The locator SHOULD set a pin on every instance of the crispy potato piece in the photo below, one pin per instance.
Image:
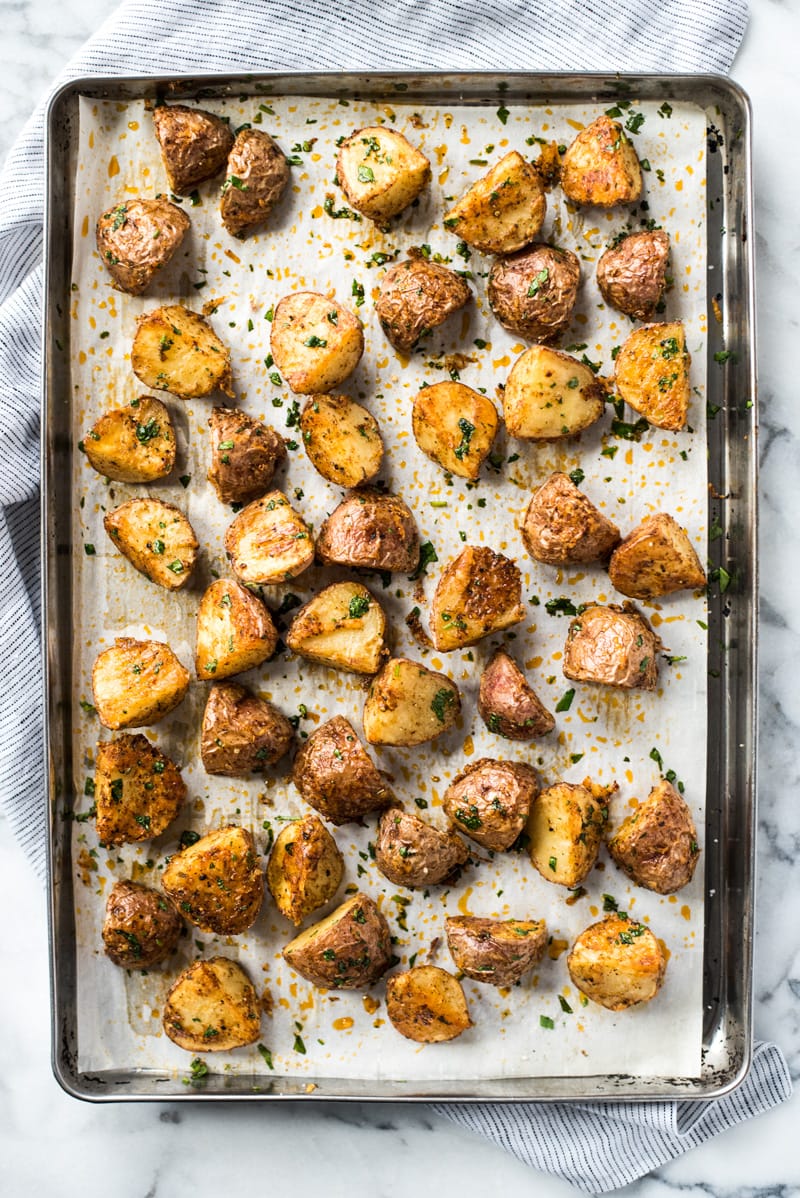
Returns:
(479, 592)
(562, 526)
(344, 627)
(194, 144)
(244, 455)
(657, 846)
(411, 852)
(157, 540)
(342, 439)
(348, 950)
(335, 775)
(534, 291)
(565, 827)
(600, 167)
(632, 274)
(212, 1006)
(269, 541)
(380, 172)
(656, 558)
(549, 394)
(495, 951)
(427, 1004)
(217, 882)
(508, 704)
(503, 211)
(316, 342)
(241, 733)
(305, 868)
(138, 790)
(141, 928)
(135, 683)
(490, 800)
(370, 530)
(613, 646)
(256, 177)
(408, 704)
(455, 427)
(234, 631)
(177, 350)
(617, 963)
(416, 296)
(136, 238)
(652, 374)
(134, 444)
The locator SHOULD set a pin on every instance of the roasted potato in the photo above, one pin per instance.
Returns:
(657, 846)
(479, 592)
(613, 646)
(141, 928)
(342, 440)
(241, 733)
(370, 530)
(490, 800)
(496, 951)
(652, 374)
(632, 273)
(503, 211)
(157, 540)
(562, 526)
(234, 631)
(305, 868)
(138, 790)
(335, 775)
(134, 444)
(256, 177)
(348, 950)
(601, 167)
(135, 683)
(565, 828)
(508, 704)
(136, 238)
(427, 1004)
(533, 292)
(343, 626)
(269, 541)
(212, 1006)
(455, 427)
(316, 343)
(656, 558)
(244, 455)
(380, 172)
(177, 350)
(416, 296)
(411, 852)
(217, 882)
(549, 394)
(617, 962)
(194, 144)
(408, 704)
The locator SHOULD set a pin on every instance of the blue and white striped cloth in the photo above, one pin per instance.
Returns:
(596, 1147)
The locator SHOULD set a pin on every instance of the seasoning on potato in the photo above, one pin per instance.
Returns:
(632, 272)
(348, 950)
(234, 631)
(427, 1004)
(245, 454)
(136, 238)
(241, 733)
(508, 704)
(601, 167)
(315, 341)
(652, 374)
(656, 558)
(268, 541)
(533, 292)
(135, 683)
(411, 852)
(612, 646)
(256, 176)
(562, 526)
(503, 211)
(489, 801)
(495, 951)
(335, 775)
(549, 394)
(656, 846)
(342, 440)
(408, 704)
(479, 592)
(194, 144)
(416, 297)
(217, 882)
(305, 868)
(565, 829)
(380, 172)
(138, 790)
(212, 1006)
(343, 627)
(370, 530)
(135, 444)
(455, 427)
(177, 350)
(618, 963)
(156, 538)
(141, 927)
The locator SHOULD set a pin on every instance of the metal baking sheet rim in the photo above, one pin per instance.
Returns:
(732, 740)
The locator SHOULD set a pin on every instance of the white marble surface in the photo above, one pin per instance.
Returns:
(51, 1144)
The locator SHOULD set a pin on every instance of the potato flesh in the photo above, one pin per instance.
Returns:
(194, 144)
(565, 828)
(305, 868)
(234, 631)
(656, 558)
(177, 350)
(241, 733)
(495, 951)
(370, 530)
(141, 927)
(257, 175)
(427, 1004)
(157, 540)
(351, 948)
(549, 394)
(212, 1007)
(600, 167)
(217, 882)
(134, 444)
(138, 790)
(562, 525)
(479, 593)
(342, 440)
(269, 542)
(380, 172)
(315, 342)
(244, 455)
(617, 962)
(335, 775)
(408, 704)
(343, 626)
(136, 683)
(612, 646)
(657, 846)
(652, 374)
(455, 427)
(507, 703)
(411, 852)
(490, 800)
(136, 238)
(503, 211)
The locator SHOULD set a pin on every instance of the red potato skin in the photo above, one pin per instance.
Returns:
(508, 705)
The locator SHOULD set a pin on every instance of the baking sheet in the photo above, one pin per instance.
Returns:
(343, 1036)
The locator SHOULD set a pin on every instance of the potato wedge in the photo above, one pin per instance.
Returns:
(134, 444)
(256, 177)
(344, 627)
(632, 273)
(496, 951)
(601, 167)
(177, 350)
(305, 868)
(335, 775)
(503, 211)
(657, 846)
(617, 962)
(194, 144)
(316, 342)
(534, 291)
(411, 852)
(652, 374)
(136, 683)
(241, 733)
(380, 172)
(245, 453)
(479, 592)
(490, 800)
(136, 238)
(455, 427)
(416, 296)
(370, 530)
(549, 394)
(427, 1004)
(565, 828)
(217, 882)
(508, 704)
(212, 1006)
(269, 541)
(612, 646)
(157, 540)
(656, 558)
(348, 950)
(562, 526)
(408, 704)
(138, 790)
(141, 927)
(234, 631)
(342, 440)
